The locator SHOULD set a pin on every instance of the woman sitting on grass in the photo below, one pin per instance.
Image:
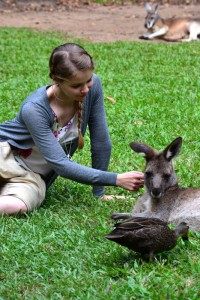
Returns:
(37, 145)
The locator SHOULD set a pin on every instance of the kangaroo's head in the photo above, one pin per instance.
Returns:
(152, 16)
(159, 173)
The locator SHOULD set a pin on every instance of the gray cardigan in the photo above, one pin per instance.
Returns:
(32, 126)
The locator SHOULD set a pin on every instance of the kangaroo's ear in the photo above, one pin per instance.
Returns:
(148, 6)
(156, 8)
(143, 149)
(173, 149)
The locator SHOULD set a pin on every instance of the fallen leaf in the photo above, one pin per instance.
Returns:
(138, 122)
(111, 99)
(111, 197)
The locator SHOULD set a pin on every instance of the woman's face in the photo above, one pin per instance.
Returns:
(77, 87)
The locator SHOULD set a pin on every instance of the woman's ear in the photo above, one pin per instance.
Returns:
(55, 79)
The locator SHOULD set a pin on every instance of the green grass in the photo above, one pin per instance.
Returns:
(59, 252)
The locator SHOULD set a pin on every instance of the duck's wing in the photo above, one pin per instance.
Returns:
(145, 220)
(135, 223)
(111, 236)
(115, 234)
(136, 240)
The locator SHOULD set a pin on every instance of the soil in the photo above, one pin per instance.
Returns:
(91, 22)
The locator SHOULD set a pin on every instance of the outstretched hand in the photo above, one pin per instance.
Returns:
(131, 181)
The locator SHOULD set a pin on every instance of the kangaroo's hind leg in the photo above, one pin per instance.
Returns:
(194, 30)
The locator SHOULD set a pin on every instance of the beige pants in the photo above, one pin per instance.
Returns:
(17, 182)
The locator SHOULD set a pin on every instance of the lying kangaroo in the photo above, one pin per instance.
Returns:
(173, 29)
(164, 198)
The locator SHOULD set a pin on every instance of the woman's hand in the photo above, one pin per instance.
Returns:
(131, 181)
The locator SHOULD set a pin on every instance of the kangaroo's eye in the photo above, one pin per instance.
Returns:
(166, 176)
(148, 174)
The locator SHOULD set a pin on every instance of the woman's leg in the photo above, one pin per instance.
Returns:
(21, 191)
(11, 205)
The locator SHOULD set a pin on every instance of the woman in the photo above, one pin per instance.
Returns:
(37, 145)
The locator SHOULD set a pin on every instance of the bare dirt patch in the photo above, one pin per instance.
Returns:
(93, 23)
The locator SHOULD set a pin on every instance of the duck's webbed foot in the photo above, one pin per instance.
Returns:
(120, 216)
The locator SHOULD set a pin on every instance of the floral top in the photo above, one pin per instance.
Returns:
(57, 129)
(67, 133)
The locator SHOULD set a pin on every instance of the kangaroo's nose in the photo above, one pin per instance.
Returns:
(156, 192)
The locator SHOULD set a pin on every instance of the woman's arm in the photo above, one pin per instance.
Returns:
(99, 134)
(36, 122)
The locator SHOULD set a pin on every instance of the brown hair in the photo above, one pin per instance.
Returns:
(65, 61)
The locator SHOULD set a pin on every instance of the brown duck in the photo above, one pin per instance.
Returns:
(147, 236)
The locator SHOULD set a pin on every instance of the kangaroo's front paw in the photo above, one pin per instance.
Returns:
(114, 216)
(144, 37)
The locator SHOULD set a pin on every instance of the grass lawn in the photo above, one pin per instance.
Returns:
(59, 252)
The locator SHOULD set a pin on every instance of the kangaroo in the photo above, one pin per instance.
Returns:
(164, 198)
(173, 29)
